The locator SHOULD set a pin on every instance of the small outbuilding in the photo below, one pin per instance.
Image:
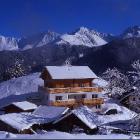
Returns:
(22, 123)
(16, 107)
(81, 119)
(31, 122)
(51, 113)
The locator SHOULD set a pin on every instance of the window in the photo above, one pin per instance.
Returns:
(73, 96)
(81, 85)
(94, 96)
(83, 96)
(133, 99)
(58, 98)
(98, 106)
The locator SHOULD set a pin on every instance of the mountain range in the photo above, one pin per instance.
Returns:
(80, 37)
(82, 47)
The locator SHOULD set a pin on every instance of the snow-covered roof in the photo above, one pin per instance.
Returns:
(25, 105)
(50, 111)
(92, 119)
(108, 106)
(100, 82)
(70, 72)
(21, 121)
(85, 115)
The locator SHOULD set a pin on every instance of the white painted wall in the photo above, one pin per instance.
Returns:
(65, 95)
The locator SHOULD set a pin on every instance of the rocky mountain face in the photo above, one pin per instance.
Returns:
(8, 43)
(38, 40)
(84, 37)
(119, 53)
(130, 32)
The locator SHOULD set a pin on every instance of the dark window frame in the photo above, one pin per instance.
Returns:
(58, 98)
(94, 96)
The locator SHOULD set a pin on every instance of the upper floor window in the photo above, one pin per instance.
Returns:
(94, 96)
(58, 98)
(81, 84)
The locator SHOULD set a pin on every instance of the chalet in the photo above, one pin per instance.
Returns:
(81, 118)
(131, 99)
(23, 106)
(70, 86)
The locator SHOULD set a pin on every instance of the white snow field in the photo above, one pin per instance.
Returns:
(63, 135)
(21, 85)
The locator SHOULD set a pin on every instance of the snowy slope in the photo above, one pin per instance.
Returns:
(62, 135)
(82, 36)
(21, 85)
(8, 43)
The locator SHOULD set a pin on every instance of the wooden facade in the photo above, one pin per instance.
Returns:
(68, 83)
(71, 90)
(14, 109)
(73, 102)
(71, 122)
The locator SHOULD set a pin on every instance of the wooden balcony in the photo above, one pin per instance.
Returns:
(73, 102)
(72, 89)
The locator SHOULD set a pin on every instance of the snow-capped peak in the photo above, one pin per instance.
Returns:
(48, 38)
(83, 36)
(8, 43)
(130, 32)
(38, 40)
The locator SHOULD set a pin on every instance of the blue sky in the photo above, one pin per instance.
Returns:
(26, 17)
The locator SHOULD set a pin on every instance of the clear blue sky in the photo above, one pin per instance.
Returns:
(25, 17)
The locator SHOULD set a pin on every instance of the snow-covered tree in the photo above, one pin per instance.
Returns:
(135, 74)
(118, 83)
(16, 70)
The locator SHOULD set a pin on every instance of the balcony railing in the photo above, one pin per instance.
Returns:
(71, 89)
(73, 102)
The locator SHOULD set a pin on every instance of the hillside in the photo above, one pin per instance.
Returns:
(22, 85)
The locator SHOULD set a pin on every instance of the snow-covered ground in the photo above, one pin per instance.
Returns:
(123, 114)
(21, 85)
(14, 89)
(63, 135)
(19, 89)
